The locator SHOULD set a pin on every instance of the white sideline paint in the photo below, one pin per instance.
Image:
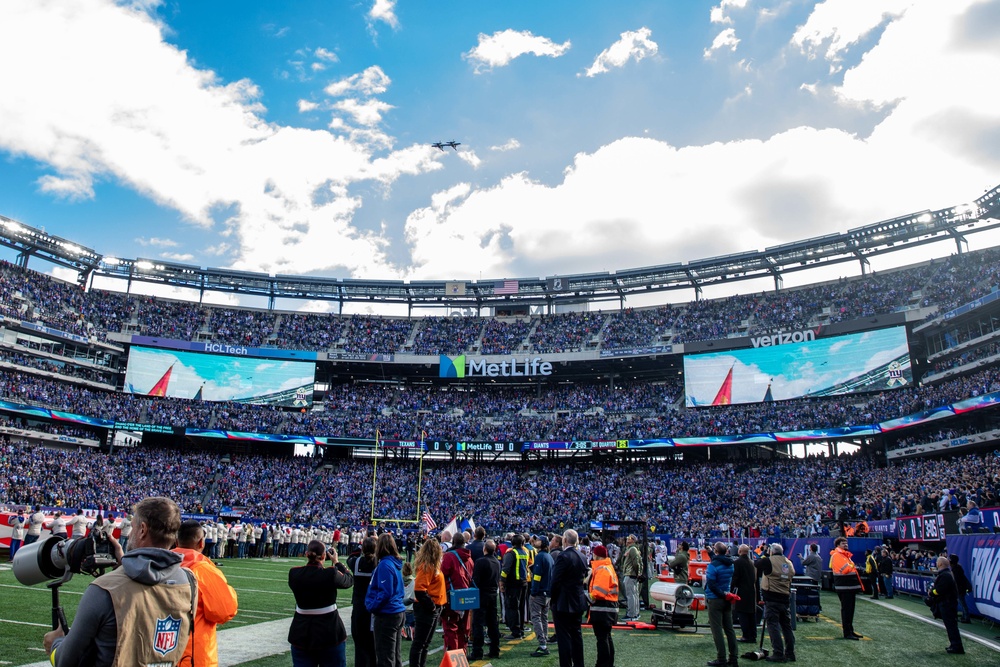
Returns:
(937, 624)
(260, 640)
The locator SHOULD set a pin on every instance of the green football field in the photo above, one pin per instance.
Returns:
(898, 630)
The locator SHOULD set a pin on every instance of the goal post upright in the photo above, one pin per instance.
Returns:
(420, 476)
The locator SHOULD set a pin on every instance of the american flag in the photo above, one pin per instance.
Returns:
(505, 287)
(428, 521)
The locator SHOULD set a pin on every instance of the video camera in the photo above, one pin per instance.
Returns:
(56, 560)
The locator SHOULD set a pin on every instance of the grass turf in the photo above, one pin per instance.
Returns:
(264, 596)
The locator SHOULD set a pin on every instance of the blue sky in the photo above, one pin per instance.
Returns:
(295, 137)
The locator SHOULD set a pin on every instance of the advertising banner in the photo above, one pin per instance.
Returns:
(980, 556)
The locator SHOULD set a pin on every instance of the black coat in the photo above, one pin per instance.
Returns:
(316, 587)
(486, 575)
(569, 593)
(745, 585)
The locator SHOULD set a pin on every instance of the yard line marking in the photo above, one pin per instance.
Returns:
(38, 590)
(37, 625)
(937, 624)
(256, 590)
(250, 576)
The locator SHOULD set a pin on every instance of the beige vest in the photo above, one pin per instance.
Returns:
(153, 621)
(780, 579)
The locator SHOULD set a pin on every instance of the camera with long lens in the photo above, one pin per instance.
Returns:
(55, 558)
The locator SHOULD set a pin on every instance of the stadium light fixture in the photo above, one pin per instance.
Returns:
(925, 218)
(144, 265)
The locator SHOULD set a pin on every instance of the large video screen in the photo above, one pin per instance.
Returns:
(855, 363)
(216, 377)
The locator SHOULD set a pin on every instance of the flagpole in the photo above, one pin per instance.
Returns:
(374, 472)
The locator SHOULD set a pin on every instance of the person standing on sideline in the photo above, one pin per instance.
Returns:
(812, 564)
(541, 592)
(513, 578)
(317, 634)
(603, 604)
(944, 593)
(679, 563)
(456, 566)
(745, 586)
(964, 586)
(631, 567)
(569, 600)
(148, 590)
(486, 577)
(385, 602)
(885, 573)
(430, 595)
(847, 584)
(17, 532)
(217, 601)
(718, 581)
(776, 574)
(361, 566)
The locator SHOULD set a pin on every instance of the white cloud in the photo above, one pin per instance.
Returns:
(385, 11)
(178, 256)
(720, 14)
(470, 157)
(498, 49)
(74, 186)
(372, 81)
(838, 24)
(156, 242)
(633, 45)
(326, 54)
(726, 39)
(155, 123)
(305, 106)
(739, 195)
(366, 113)
(509, 145)
(809, 87)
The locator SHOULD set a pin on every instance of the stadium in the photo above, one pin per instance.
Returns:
(397, 334)
(679, 419)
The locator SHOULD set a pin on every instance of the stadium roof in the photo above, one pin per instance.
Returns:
(906, 231)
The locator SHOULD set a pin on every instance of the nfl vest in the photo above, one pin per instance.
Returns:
(779, 582)
(157, 619)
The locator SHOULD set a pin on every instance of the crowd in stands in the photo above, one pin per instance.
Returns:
(702, 501)
(942, 284)
(104, 376)
(577, 412)
(968, 357)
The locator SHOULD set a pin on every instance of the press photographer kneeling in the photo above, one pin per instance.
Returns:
(152, 595)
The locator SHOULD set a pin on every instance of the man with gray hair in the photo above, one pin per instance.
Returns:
(776, 574)
(630, 567)
(944, 593)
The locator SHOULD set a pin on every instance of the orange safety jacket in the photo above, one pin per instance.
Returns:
(603, 586)
(217, 604)
(845, 572)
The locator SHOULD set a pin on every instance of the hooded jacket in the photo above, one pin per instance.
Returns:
(385, 592)
(93, 638)
(217, 604)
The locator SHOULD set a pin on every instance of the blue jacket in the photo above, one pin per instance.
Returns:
(385, 592)
(541, 574)
(718, 577)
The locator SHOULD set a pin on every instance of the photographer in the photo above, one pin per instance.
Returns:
(149, 586)
(776, 574)
(317, 633)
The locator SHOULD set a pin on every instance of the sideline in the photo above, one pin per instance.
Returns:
(937, 624)
(259, 640)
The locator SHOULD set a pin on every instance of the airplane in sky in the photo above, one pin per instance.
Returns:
(450, 144)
